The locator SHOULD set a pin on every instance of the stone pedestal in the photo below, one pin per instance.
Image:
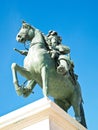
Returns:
(40, 115)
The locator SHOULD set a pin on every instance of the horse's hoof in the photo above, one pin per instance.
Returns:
(78, 119)
(61, 70)
(19, 91)
(26, 92)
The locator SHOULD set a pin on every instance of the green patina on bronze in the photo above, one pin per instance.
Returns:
(41, 67)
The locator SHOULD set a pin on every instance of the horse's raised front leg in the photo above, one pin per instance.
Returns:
(16, 68)
(44, 80)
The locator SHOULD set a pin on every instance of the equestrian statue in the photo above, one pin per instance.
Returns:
(47, 63)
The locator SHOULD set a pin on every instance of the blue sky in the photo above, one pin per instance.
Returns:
(76, 21)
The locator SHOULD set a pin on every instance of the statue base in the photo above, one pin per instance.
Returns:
(42, 114)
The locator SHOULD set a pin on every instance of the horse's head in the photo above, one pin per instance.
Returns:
(26, 33)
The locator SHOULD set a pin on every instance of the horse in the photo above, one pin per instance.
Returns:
(39, 68)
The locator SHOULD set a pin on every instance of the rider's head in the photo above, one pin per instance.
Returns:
(54, 33)
(51, 32)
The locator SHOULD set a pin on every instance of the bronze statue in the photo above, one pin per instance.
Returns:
(40, 68)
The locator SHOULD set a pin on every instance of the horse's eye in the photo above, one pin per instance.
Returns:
(19, 36)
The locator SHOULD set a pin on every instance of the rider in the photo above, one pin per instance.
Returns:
(60, 53)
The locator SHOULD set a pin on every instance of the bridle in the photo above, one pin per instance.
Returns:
(27, 43)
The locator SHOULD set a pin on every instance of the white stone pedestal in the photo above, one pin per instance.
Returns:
(40, 115)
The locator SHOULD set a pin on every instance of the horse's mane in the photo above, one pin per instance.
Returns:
(43, 35)
(46, 44)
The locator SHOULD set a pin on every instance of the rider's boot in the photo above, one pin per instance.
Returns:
(63, 67)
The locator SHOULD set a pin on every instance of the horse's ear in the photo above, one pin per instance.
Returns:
(26, 24)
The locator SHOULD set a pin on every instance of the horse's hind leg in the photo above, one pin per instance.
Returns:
(23, 72)
(76, 100)
(64, 104)
(79, 113)
(44, 80)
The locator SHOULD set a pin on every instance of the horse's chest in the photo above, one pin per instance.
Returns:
(33, 61)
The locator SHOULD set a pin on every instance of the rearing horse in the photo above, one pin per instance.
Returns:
(39, 68)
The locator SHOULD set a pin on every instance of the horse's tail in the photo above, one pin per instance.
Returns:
(83, 121)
